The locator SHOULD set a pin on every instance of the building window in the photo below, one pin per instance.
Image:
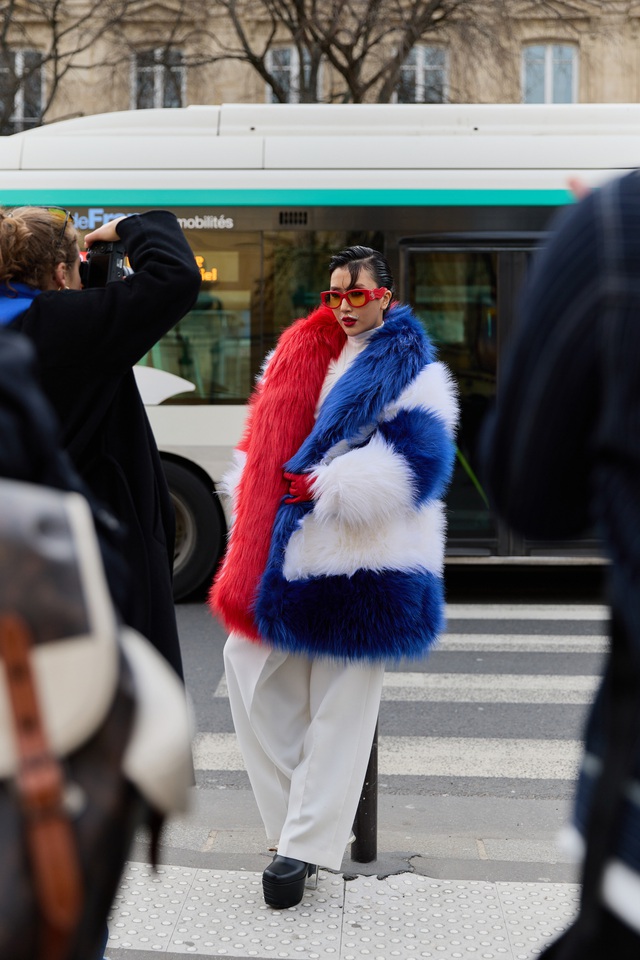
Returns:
(550, 73)
(159, 78)
(21, 83)
(423, 76)
(283, 63)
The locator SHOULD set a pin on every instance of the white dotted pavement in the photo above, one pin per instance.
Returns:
(221, 913)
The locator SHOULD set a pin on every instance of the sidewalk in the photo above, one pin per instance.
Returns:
(455, 878)
(222, 913)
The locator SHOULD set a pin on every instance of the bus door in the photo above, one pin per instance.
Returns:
(465, 293)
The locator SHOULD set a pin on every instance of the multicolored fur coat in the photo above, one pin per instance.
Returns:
(356, 573)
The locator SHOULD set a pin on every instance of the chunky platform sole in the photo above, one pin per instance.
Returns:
(286, 890)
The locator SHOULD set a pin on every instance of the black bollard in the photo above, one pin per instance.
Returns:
(364, 848)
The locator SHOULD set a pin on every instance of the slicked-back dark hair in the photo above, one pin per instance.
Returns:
(359, 258)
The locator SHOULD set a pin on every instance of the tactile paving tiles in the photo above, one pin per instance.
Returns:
(222, 913)
(410, 916)
(536, 913)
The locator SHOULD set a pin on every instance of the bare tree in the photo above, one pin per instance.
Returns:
(364, 42)
(339, 50)
(41, 43)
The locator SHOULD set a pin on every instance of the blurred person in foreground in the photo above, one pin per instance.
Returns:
(562, 452)
(87, 342)
(30, 451)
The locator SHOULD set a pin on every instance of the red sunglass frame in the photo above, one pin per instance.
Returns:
(370, 295)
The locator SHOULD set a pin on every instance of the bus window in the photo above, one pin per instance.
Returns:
(212, 346)
(454, 292)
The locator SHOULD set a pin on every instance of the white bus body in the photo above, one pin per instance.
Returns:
(457, 196)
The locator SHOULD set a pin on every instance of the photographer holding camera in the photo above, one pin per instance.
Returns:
(87, 341)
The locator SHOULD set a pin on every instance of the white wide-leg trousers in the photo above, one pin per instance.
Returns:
(305, 729)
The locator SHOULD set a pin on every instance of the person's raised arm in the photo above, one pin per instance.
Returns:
(110, 328)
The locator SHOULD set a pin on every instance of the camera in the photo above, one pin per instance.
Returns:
(103, 263)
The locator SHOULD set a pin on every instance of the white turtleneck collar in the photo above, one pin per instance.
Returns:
(359, 341)
(353, 346)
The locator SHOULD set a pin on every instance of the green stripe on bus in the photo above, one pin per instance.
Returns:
(290, 198)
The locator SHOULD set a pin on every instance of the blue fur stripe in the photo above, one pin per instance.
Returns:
(368, 616)
(421, 437)
(394, 357)
(287, 520)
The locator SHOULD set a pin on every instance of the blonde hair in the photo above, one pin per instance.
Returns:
(32, 243)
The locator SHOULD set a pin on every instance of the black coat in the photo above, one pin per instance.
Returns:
(29, 441)
(30, 451)
(87, 342)
(562, 452)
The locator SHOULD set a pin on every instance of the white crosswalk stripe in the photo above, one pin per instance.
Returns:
(522, 643)
(435, 756)
(527, 611)
(480, 688)
(487, 688)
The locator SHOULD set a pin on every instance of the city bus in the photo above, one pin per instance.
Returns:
(457, 197)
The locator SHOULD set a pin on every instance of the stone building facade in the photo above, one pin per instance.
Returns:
(175, 53)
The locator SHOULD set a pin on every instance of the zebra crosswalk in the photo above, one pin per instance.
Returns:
(501, 701)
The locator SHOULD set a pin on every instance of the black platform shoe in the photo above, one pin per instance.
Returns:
(283, 881)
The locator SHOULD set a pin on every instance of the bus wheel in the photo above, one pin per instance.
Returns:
(199, 530)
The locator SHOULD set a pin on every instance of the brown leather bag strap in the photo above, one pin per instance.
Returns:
(50, 839)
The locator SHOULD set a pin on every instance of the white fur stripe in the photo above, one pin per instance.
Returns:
(231, 478)
(228, 483)
(433, 390)
(405, 541)
(366, 486)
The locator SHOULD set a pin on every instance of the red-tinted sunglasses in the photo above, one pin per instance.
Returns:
(355, 298)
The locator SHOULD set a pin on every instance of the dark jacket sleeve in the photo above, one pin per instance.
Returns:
(109, 329)
(29, 445)
(538, 443)
(30, 451)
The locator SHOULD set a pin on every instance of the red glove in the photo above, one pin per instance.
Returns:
(300, 487)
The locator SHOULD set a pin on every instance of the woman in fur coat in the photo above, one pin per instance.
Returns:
(335, 556)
